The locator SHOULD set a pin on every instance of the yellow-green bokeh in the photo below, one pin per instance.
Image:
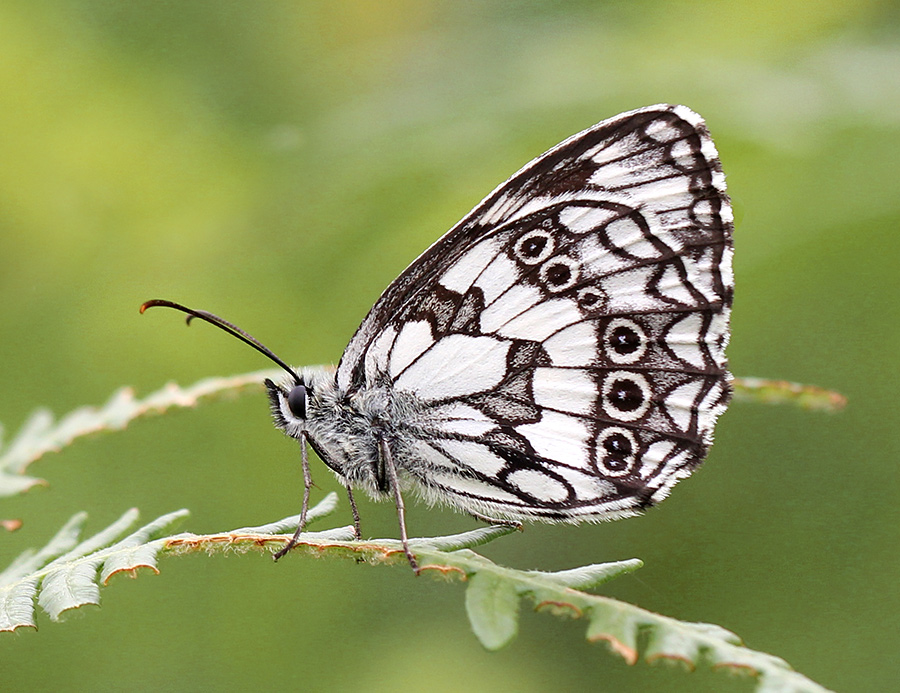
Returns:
(280, 162)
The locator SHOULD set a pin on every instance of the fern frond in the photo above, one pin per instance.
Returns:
(68, 573)
(42, 434)
(763, 391)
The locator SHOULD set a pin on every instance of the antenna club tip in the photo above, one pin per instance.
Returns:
(150, 304)
(222, 324)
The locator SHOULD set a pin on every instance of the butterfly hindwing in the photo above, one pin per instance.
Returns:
(566, 339)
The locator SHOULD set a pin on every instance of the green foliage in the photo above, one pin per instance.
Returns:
(68, 571)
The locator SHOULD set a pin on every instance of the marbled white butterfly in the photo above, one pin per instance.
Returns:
(558, 355)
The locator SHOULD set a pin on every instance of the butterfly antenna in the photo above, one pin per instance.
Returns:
(223, 324)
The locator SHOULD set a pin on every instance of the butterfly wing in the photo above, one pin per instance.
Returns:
(565, 342)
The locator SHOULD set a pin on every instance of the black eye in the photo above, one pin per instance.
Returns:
(297, 401)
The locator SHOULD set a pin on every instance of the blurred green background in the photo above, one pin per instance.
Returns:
(280, 162)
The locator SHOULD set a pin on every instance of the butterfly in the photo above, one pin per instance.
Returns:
(558, 355)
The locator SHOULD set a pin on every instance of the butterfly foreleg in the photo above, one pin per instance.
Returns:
(357, 532)
(387, 462)
(304, 508)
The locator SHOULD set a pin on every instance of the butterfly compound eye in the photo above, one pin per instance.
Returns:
(297, 401)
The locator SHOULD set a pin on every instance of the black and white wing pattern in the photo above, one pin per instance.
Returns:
(564, 343)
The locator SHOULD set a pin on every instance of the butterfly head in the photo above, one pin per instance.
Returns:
(297, 403)
(290, 404)
(306, 407)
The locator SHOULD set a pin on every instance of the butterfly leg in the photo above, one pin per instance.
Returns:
(495, 521)
(304, 508)
(357, 532)
(391, 472)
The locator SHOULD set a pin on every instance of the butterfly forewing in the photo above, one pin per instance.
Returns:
(565, 341)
